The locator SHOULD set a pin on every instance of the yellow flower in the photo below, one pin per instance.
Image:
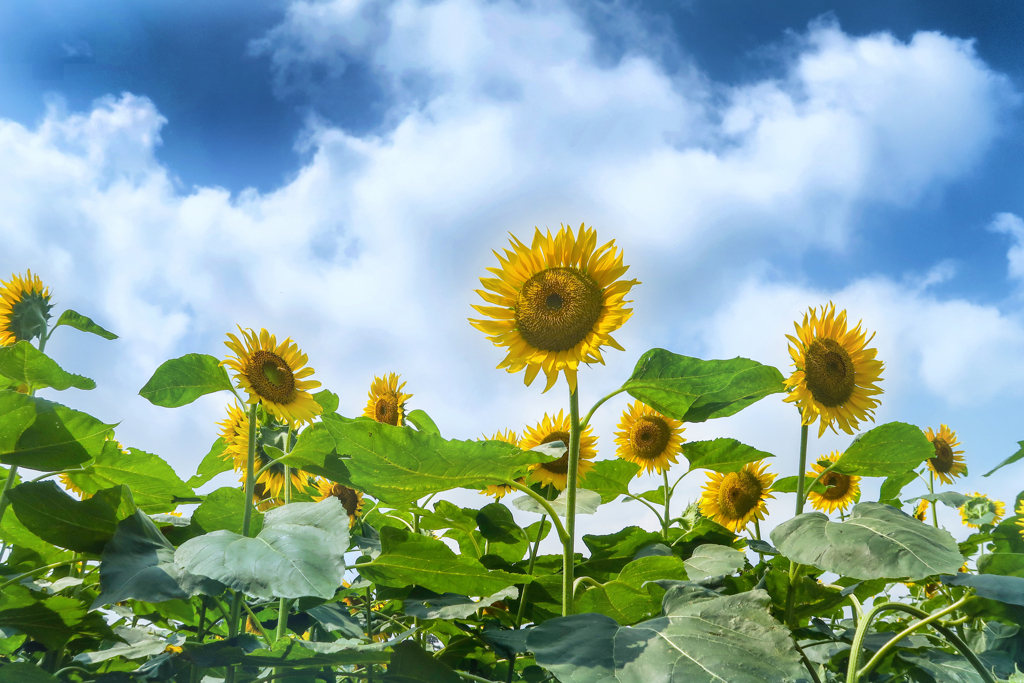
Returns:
(836, 373)
(1020, 518)
(351, 499)
(921, 511)
(387, 402)
(174, 649)
(556, 472)
(947, 464)
(274, 374)
(979, 506)
(65, 480)
(235, 432)
(842, 490)
(648, 438)
(555, 303)
(24, 308)
(736, 498)
(499, 491)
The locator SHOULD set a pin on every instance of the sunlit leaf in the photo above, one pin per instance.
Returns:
(82, 323)
(421, 421)
(54, 516)
(887, 450)
(587, 503)
(41, 435)
(721, 455)
(180, 381)
(53, 621)
(25, 363)
(610, 478)
(1009, 461)
(155, 485)
(628, 598)
(713, 560)
(455, 606)
(213, 464)
(224, 509)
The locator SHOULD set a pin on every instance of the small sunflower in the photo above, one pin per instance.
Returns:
(1020, 518)
(351, 499)
(387, 402)
(556, 472)
(555, 303)
(836, 373)
(24, 308)
(499, 491)
(274, 374)
(736, 498)
(980, 510)
(841, 490)
(921, 511)
(269, 432)
(65, 480)
(648, 438)
(947, 464)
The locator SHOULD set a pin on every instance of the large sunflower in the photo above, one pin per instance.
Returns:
(499, 491)
(274, 374)
(736, 498)
(387, 402)
(841, 490)
(556, 472)
(648, 438)
(947, 464)
(836, 373)
(351, 499)
(235, 432)
(555, 303)
(980, 510)
(24, 308)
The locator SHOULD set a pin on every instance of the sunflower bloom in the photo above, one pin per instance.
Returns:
(836, 373)
(921, 511)
(947, 464)
(556, 472)
(977, 509)
(555, 303)
(387, 402)
(1020, 518)
(66, 482)
(499, 491)
(24, 308)
(736, 498)
(274, 374)
(648, 438)
(351, 499)
(841, 490)
(235, 432)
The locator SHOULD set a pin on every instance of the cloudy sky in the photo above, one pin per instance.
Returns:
(339, 172)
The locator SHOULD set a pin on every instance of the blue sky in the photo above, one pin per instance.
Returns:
(338, 172)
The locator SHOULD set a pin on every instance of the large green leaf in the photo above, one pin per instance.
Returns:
(704, 637)
(138, 643)
(180, 381)
(57, 518)
(721, 455)
(41, 435)
(610, 478)
(629, 597)
(875, 542)
(587, 502)
(213, 464)
(52, 621)
(411, 664)
(1007, 564)
(25, 363)
(454, 606)
(893, 485)
(1009, 461)
(1008, 589)
(225, 509)
(244, 649)
(694, 390)
(155, 485)
(887, 450)
(948, 498)
(83, 324)
(300, 552)
(421, 421)
(26, 672)
(713, 560)
(408, 558)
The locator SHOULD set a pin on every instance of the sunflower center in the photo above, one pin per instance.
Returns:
(560, 466)
(836, 485)
(348, 497)
(739, 494)
(270, 377)
(829, 372)
(943, 460)
(557, 308)
(29, 316)
(386, 410)
(649, 436)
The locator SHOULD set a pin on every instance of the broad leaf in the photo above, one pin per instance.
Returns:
(1007, 564)
(180, 381)
(630, 597)
(244, 649)
(336, 618)
(328, 400)
(26, 672)
(1009, 461)
(789, 485)
(610, 478)
(54, 516)
(721, 455)
(155, 485)
(41, 435)
(138, 643)
(25, 363)
(694, 390)
(421, 421)
(411, 664)
(83, 324)
(948, 498)
(713, 560)
(887, 450)
(52, 621)
(1008, 589)
(587, 503)
(224, 509)
(875, 542)
(453, 606)
(893, 485)
(213, 464)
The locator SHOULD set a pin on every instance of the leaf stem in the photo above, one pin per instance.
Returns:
(568, 554)
(250, 484)
(584, 579)
(807, 663)
(649, 506)
(529, 572)
(282, 605)
(258, 625)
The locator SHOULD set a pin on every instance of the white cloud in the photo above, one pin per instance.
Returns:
(1012, 225)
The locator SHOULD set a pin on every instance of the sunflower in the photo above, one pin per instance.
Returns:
(555, 303)
(947, 464)
(1020, 518)
(556, 472)
(351, 499)
(735, 498)
(836, 373)
(24, 308)
(387, 402)
(499, 491)
(274, 374)
(921, 511)
(978, 508)
(269, 432)
(648, 438)
(65, 480)
(841, 490)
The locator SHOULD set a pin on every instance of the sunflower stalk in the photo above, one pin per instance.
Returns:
(931, 489)
(282, 605)
(234, 620)
(668, 497)
(568, 558)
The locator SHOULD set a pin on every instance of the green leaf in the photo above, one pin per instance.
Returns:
(789, 485)
(627, 599)
(421, 421)
(25, 363)
(1008, 589)
(41, 435)
(1007, 564)
(1009, 461)
(53, 621)
(299, 552)
(875, 542)
(944, 667)
(704, 637)
(408, 558)
(224, 509)
(810, 597)
(336, 618)
(411, 664)
(893, 486)
(213, 464)
(180, 381)
(54, 516)
(713, 560)
(610, 478)
(887, 450)
(328, 401)
(587, 503)
(82, 323)
(610, 553)
(24, 672)
(155, 485)
(243, 650)
(139, 643)
(948, 498)
(507, 539)
(694, 390)
(454, 606)
(721, 455)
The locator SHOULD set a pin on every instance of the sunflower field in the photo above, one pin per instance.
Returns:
(337, 558)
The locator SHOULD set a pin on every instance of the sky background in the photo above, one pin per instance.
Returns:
(339, 172)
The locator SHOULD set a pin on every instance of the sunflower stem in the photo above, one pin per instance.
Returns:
(757, 529)
(529, 572)
(234, 620)
(569, 557)
(800, 473)
(668, 498)
(544, 503)
(931, 490)
(282, 605)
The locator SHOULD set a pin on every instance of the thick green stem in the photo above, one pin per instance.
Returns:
(529, 572)
(802, 471)
(668, 498)
(931, 489)
(884, 650)
(257, 625)
(794, 570)
(283, 603)
(250, 485)
(544, 503)
(568, 552)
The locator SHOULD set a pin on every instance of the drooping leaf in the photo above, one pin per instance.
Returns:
(887, 450)
(1009, 461)
(610, 553)
(224, 509)
(893, 485)
(875, 542)
(944, 667)
(54, 516)
(694, 390)
(336, 619)
(713, 560)
(421, 421)
(180, 381)
(83, 324)
(25, 363)
(213, 464)
(155, 485)
(1007, 564)
(53, 621)
(948, 498)
(610, 478)
(587, 503)
(454, 606)
(138, 643)
(41, 435)
(1008, 589)
(721, 455)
